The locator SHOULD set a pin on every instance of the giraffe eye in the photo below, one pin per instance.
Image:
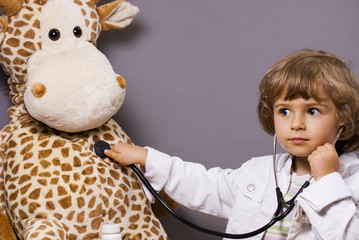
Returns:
(77, 32)
(54, 34)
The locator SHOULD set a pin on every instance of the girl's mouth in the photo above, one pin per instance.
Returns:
(298, 140)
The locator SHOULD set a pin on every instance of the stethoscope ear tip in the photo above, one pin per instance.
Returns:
(341, 129)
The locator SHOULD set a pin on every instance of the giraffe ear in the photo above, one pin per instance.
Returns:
(11, 7)
(117, 14)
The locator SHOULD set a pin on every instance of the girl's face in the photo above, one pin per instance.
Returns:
(302, 125)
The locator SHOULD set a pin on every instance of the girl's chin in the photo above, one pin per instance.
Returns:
(299, 154)
(299, 151)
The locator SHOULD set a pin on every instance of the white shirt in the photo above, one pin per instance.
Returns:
(326, 209)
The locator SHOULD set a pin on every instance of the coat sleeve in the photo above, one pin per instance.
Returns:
(331, 208)
(209, 191)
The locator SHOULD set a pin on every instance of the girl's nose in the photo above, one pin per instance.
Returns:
(298, 123)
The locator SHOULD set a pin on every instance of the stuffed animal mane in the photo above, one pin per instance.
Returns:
(64, 92)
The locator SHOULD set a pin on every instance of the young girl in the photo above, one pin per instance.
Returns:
(305, 100)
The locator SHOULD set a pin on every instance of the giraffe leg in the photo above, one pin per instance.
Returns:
(6, 231)
(43, 229)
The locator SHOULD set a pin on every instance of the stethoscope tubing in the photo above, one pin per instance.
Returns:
(276, 218)
(182, 219)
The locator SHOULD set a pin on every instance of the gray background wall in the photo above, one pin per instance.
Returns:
(193, 68)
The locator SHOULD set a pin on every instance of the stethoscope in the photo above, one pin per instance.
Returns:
(101, 146)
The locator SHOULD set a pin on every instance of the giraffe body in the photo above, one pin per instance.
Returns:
(52, 185)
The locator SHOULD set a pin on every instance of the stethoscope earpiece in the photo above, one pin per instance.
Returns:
(341, 129)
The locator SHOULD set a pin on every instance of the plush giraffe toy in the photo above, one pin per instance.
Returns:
(64, 93)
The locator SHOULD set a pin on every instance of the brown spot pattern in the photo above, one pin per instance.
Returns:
(53, 180)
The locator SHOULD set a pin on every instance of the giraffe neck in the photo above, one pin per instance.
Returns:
(17, 112)
(17, 91)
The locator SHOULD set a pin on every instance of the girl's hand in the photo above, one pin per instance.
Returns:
(323, 161)
(126, 154)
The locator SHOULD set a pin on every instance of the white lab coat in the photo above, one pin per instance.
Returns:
(326, 209)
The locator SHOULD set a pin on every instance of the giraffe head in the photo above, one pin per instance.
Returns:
(47, 47)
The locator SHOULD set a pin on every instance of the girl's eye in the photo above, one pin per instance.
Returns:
(313, 111)
(284, 111)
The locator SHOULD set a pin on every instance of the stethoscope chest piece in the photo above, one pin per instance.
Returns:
(100, 147)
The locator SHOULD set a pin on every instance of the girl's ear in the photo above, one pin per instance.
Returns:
(117, 14)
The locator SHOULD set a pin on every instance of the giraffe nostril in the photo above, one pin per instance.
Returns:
(38, 90)
(121, 81)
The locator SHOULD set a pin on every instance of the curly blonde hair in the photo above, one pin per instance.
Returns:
(302, 74)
